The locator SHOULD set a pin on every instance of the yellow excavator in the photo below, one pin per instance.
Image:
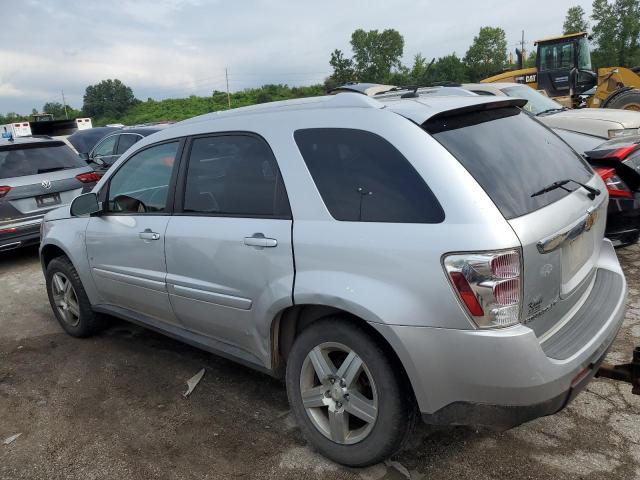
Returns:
(563, 70)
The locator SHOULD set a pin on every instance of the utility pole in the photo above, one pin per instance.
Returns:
(226, 74)
(66, 115)
(522, 43)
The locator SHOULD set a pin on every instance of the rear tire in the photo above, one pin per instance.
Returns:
(69, 300)
(363, 411)
(628, 100)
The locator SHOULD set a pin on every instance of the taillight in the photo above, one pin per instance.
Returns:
(615, 186)
(88, 177)
(488, 285)
(622, 153)
(4, 191)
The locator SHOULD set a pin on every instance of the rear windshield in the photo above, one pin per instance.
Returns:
(32, 159)
(511, 156)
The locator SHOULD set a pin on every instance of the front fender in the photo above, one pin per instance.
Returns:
(68, 235)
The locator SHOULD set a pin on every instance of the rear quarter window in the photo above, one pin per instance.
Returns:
(361, 177)
(511, 156)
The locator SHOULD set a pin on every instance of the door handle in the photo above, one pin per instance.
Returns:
(149, 235)
(260, 241)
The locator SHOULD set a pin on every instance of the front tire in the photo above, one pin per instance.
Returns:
(69, 300)
(350, 400)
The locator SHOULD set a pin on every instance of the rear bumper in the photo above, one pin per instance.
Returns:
(20, 233)
(504, 377)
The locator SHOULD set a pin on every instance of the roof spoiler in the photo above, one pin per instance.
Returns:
(479, 107)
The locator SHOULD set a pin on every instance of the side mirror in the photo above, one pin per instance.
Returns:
(85, 204)
(84, 156)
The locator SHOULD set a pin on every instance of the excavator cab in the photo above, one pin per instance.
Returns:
(564, 71)
(564, 65)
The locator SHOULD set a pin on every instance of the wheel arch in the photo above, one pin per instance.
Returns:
(291, 321)
(50, 251)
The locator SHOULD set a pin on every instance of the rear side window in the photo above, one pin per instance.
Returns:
(363, 178)
(22, 160)
(126, 141)
(105, 147)
(234, 175)
(511, 156)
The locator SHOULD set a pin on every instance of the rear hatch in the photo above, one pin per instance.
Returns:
(512, 157)
(36, 177)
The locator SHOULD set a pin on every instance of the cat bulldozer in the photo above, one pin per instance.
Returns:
(563, 70)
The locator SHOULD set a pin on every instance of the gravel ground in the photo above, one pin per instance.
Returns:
(112, 407)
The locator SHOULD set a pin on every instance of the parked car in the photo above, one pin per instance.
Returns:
(441, 256)
(84, 140)
(107, 150)
(380, 91)
(601, 122)
(617, 162)
(37, 174)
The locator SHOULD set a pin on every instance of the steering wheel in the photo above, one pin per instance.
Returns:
(125, 203)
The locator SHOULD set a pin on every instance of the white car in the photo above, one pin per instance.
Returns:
(599, 122)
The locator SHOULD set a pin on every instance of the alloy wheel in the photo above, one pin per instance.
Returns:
(338, 393)
(65, 299)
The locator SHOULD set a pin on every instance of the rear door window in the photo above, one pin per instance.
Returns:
(125, 142)
(234, 175)
(511, 156)
(31, 159)
(105, 147)
(363, 178)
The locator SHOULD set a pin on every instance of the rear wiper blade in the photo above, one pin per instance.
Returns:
(593, 192)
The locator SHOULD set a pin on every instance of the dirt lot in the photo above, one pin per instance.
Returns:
(112, 407)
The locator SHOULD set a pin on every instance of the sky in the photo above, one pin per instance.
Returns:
(176, 48)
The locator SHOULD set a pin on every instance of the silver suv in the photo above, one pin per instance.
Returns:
(433, 256)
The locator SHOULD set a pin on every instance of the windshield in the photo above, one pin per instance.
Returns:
(536, 101)
(584, 55)
(511, 156)
(32, 159)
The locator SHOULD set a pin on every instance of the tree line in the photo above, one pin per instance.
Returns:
(376, 57)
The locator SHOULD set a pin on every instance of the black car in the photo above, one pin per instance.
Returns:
(618, 163)
(84, 140)
(109, 148)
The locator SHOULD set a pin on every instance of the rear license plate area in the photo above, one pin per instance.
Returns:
(43, 201)
(575, 254)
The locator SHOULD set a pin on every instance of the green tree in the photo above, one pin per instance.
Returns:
(530, 61)
(109, 98)
(56, 109)
(450, 68)
(616, 32)
(376, 53)
(487, 55)
(376, 56)
(343, 71)
(575, 21)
